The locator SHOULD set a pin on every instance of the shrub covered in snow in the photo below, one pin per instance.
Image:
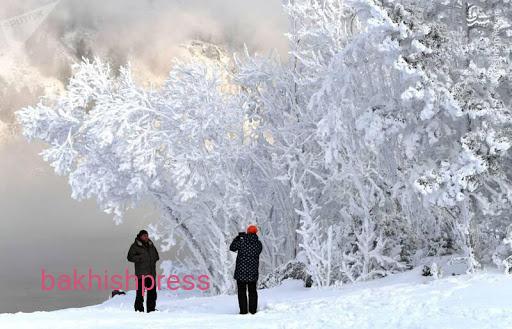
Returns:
(291, 270)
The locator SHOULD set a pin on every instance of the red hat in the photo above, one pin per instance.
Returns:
(252, 229)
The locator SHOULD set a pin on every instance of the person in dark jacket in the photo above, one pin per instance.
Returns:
(249, 248)
(144, 254)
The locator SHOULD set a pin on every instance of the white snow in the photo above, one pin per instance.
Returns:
(406, 300)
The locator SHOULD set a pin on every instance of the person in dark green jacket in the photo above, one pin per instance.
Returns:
(144, 254)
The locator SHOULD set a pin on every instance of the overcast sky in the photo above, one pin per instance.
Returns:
(40, 225)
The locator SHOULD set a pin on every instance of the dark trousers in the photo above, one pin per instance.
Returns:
(242, 296)
(150, 293)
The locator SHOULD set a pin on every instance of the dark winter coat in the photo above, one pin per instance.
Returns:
(249, 248)
(145, 256)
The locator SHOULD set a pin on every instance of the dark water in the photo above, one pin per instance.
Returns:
(22, 261)
(20, 285)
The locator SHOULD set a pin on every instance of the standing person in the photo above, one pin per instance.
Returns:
(144, 254)
(249, 248)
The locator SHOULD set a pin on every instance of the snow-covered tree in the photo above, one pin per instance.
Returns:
(382, 138)
(469, 55)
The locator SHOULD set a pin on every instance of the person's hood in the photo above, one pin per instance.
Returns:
(141, 244)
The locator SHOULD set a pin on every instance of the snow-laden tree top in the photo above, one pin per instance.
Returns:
(382, 139)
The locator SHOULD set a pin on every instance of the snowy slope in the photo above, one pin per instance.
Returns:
(406, 300)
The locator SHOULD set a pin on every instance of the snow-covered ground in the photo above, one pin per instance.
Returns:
(406, 300)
